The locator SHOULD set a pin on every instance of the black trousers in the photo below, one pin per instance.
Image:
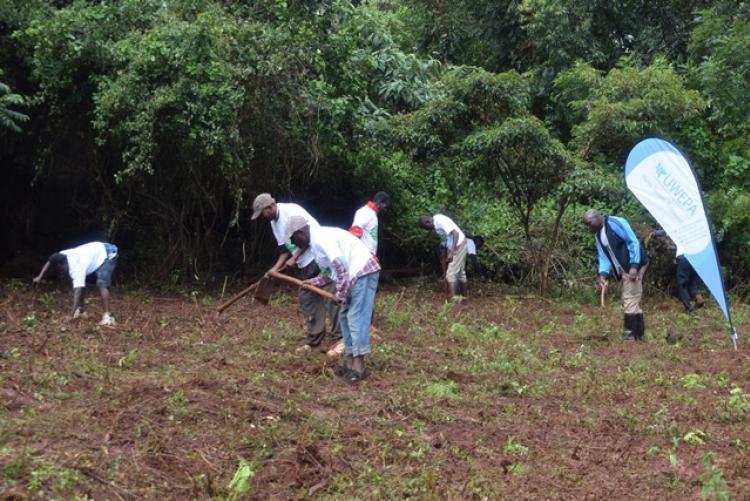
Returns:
(687, 281)
(315, 308)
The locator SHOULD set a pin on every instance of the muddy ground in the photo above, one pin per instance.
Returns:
(505, 395)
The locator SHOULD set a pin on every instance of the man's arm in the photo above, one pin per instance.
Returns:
(605, 267)
(454, 240)
(293, 260)
(39, 277)
(623, 230)
(284, 256)
(77, 300)
(342, 281)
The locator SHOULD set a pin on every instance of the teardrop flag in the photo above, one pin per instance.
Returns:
(661, 177)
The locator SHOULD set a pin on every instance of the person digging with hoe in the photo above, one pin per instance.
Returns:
(622, 255)
(94, 257)
(314, 308)
(454, 241)
(356, 274)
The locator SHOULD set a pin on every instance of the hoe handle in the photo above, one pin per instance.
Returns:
(244, 292)
(297, 281)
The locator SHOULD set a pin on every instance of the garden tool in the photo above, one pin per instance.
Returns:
(239, 296)
(262, 292)
(297, 281)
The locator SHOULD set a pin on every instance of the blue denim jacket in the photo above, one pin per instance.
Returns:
(625, 246)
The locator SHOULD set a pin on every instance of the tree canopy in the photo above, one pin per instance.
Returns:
(154, 123)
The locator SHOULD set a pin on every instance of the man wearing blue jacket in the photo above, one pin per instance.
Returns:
(623, 256)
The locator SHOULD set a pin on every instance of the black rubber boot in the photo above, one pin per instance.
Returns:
(462, 288)
(630, 324)
(640, 327)
(452, 289)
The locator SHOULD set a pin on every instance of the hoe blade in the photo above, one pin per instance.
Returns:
(263, 292)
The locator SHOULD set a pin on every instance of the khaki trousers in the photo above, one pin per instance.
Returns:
(632, 292)
(457, 267)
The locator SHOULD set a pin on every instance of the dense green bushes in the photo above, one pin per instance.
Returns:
(154, 123)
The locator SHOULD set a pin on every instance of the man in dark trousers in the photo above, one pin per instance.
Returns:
(623, 256)
(314, 307)
(688, 281)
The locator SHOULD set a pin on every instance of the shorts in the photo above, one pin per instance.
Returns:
(104, 272)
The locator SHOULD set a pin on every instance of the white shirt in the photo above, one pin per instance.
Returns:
(367, 219)
(444, 226)
(278, 225)
(328, 243)
(471, 247)
(84, 260)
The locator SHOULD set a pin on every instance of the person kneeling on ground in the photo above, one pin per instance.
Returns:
(621, 254)
(341, 255)
(94, 257)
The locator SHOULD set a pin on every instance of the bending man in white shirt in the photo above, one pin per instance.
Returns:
(314, 308)
(344, 259)
(454, 241)
(78, 262)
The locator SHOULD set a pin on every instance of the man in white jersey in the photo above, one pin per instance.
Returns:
(343, 258)
(365, 224)
(314, 308)
(78, 262)
(454, 241)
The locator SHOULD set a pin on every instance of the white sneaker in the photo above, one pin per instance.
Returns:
(336, 350)
(79, 313)
(107, 320)
(305, 348)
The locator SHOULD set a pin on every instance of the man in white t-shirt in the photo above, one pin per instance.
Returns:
(314, 308)
(365, 224)
(454, 241)
(78, 262)
(345, 262)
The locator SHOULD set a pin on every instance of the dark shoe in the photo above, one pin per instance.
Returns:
(354, 377)
(342, 370)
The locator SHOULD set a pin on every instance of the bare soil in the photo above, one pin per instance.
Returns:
(500, 396)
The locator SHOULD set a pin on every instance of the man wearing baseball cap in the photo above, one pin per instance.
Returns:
(314, 308)
(346, 263)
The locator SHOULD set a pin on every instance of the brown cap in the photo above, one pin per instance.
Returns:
(261, 202)
(295, 223)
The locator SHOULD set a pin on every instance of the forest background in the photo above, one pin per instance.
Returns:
(154, 123)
